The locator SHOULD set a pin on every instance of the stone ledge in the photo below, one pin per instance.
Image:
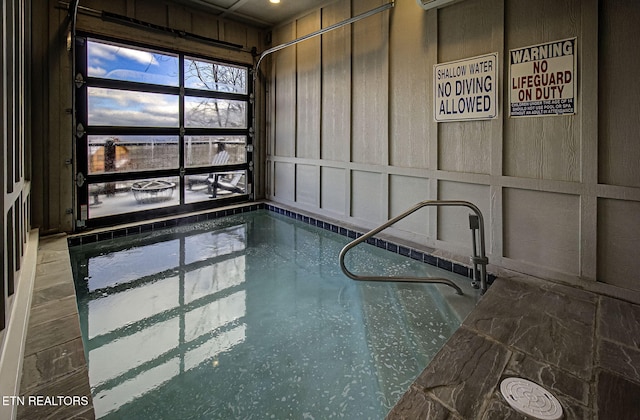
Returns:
(54, 364)
(588, 359)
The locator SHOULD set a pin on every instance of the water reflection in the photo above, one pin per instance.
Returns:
(251, 317)
(116, 310)
(153, 311)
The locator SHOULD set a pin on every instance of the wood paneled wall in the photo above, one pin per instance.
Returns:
(560, 195)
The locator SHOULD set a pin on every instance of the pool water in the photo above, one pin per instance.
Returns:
(249, 316)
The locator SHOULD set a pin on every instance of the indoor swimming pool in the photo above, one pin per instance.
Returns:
(249, 316)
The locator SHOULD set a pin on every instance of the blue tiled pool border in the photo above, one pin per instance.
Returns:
(447, 265)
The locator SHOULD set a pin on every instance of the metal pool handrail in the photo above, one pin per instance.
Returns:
(476, 260)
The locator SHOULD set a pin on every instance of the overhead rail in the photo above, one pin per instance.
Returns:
(129, 21)
(322, 31)
(476, 223)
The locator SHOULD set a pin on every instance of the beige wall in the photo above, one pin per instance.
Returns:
(352, 134)
(53, 173)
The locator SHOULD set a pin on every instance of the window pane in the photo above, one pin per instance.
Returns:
(214, 76)
(109, 198)
(210, 186)
(197, 187)
(112, 61)
(132, 153)
(218, 150)
(113, 107)
(134, 108)
(229, 183)
(215, 113)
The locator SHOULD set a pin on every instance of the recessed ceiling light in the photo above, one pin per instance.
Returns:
(275, 1)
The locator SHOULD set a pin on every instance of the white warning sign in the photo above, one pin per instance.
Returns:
(466, 89)
(542, 79)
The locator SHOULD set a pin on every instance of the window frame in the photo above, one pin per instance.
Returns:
(182, 170)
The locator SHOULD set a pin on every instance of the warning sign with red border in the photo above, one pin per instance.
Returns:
(542, 79)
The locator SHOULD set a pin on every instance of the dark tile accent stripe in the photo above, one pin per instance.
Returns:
(104, 236)
(430, 259)
(462, 270)
(384, 244)
(75, 241)
(445, 264)
(380, 243)
(88, 238)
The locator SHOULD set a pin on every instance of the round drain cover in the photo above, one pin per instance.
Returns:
(531, 399)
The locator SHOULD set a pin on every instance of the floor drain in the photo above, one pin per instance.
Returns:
(531, 399)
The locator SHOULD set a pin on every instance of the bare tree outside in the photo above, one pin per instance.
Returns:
(207, 112)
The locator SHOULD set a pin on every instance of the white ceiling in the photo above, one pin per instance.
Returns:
(258, 13)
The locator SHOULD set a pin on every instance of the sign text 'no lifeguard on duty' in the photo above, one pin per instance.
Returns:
(542, 79)
(466, 89)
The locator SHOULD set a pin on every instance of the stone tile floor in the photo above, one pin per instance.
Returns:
(54, 364)
(582, 347)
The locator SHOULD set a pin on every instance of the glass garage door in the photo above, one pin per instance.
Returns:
(158, 132)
